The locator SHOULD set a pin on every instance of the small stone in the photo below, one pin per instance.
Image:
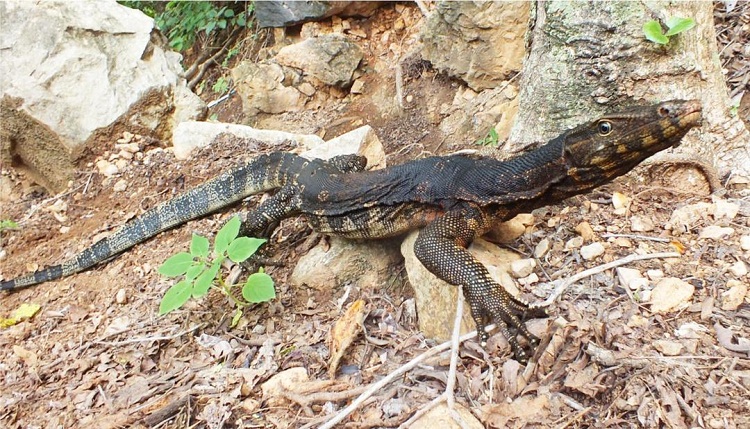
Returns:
(592, 251)
(574, 243)
(715, 232)
(627, 276)
(639, 284)
(120, 186)
(641, 224)
(623, 242)
(307, 89)
(733, 298)
(745, 242)
(128, 147)
(508, 231)
(121, 164)
(541, 248)
(620, 201)
(584, 230)
(655, 274)
(670, 293)
(106, 168)
(725, 209)
(64, 229)
(358, 86)
(121, 297)
(522, 267)
(526, 219)
(530, 280)
(739, 269)
(409, 98)
(123, 154)
(668, 348)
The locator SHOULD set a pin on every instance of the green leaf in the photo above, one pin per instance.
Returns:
(258, 288)
(175, 297)
(194, 271)
(243, 247)
(677, 25)
(236, 318)
(176, 265)
(653, 32)
(226, 234)
(210, 27)
(199, 246)
(205, 280)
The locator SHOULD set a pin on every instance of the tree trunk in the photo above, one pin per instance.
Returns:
(586, 57)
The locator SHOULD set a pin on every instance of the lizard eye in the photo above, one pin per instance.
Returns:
(605, 127)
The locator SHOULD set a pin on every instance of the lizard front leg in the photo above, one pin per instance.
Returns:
(262, 221)
(441, 248)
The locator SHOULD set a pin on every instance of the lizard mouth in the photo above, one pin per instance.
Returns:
(687, 115)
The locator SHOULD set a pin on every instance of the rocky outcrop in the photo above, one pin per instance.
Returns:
(288, 81)
(338, 262)
(330, 58)
(76, 72)
(194, 134)
(286, 13)
(481, 43)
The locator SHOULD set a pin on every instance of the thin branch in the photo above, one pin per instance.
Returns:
(563, 284)
(374, 387)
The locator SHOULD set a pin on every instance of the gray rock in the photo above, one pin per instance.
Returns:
(76, 69)
(265, 88)
(286, 13)
(481, 43)
(330, 58)
(366, 265)
(192, 135)
(363, 141)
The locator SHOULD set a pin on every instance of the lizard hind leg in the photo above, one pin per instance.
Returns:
(441, 248)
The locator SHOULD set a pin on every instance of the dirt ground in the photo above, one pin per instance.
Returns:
(98, 355)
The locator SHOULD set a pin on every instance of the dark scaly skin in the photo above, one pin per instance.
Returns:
(455, 198)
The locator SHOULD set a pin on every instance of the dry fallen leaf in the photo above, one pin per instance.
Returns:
(344, 332)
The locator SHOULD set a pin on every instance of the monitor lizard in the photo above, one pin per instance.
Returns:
(453, 198)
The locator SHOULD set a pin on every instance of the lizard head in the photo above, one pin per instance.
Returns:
(599, 151)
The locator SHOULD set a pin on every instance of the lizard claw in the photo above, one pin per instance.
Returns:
(509, 314)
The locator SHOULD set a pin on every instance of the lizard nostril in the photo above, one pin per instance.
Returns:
(665, 111)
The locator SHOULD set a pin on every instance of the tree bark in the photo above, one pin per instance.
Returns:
(585, 58)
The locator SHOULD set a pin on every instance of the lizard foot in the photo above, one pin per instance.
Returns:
(509, 313)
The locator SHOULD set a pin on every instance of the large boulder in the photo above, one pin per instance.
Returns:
(286, 13)
(481, 43)
(77, 72)
(329, 58)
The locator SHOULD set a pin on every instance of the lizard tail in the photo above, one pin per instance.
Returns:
(259, 175)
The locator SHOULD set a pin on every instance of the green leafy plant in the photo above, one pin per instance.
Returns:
(181, 21)
(201, 269)
(221, 85)
(491, 139)
(675, 25)
(7, 224)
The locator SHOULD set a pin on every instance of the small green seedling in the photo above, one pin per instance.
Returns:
(676, 25)
(201, 269)
(491, 139)
(8, 224)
